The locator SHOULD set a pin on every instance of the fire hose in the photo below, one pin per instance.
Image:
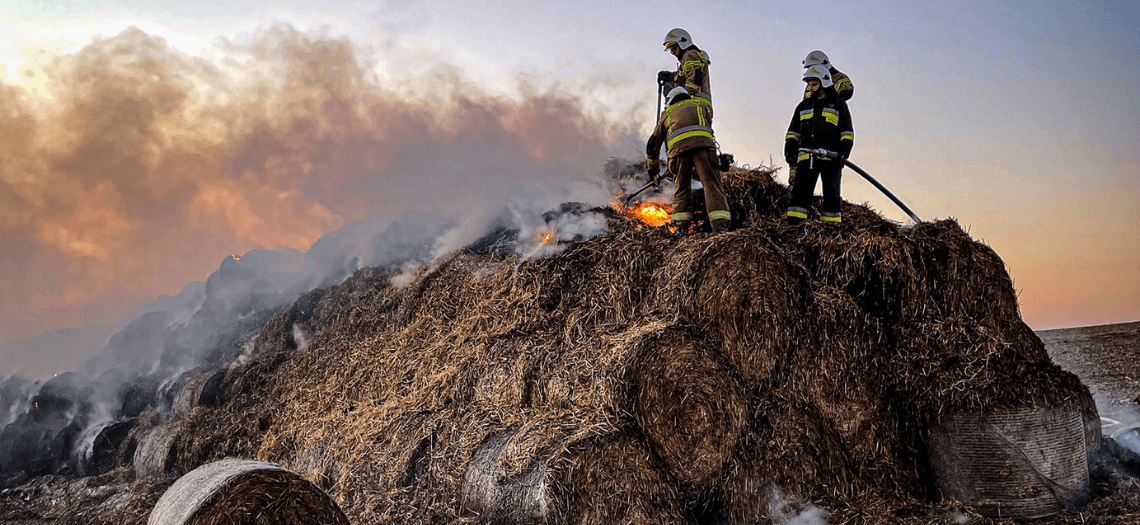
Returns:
(827, 154)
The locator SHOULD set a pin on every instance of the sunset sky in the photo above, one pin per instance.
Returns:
(142, 142)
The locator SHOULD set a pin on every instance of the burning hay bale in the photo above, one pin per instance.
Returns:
(235, 492)
(642, 376)
(156, 454)
(204, 388)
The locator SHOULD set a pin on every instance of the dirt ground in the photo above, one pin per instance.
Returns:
(1107, 359)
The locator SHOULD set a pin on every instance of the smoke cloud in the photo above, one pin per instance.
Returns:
(130, 168)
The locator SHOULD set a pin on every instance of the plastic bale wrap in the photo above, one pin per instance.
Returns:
(204, 388)
(157, 451)
(242, 492)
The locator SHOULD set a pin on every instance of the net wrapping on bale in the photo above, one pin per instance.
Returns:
(242, 492)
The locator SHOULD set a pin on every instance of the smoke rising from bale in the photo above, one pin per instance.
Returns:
(130, 166)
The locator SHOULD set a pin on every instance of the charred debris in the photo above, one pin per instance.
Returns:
(639, 376)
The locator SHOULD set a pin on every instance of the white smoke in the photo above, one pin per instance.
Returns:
(791, 511)
(1119, 421)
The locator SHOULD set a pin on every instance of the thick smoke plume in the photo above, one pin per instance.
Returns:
(129, 166)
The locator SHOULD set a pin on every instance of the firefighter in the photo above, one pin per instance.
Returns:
(842, 82)
(692, 67)
(684, 129)
(821, 121)
(842, 85)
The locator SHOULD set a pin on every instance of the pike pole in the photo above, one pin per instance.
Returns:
(827, 154)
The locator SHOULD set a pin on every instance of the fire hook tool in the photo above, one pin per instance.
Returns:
(823, 153)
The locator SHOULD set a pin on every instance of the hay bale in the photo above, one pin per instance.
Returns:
(234, 491)
(105, 448)
(788, 444)
(612, 479)
(1022, 463)
(157, 453)
(204, 388)
(690, 405)
(743, 292)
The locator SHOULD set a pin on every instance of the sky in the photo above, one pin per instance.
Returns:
(143, 142)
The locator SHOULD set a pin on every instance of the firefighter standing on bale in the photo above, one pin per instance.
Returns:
(692, 67)
(685, 130)
(821, 121)
(843, 87)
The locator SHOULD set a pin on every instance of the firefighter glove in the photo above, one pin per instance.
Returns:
(654, 169)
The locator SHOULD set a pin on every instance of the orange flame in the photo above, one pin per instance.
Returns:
(236, 257)
(545, 236)
(651, 213)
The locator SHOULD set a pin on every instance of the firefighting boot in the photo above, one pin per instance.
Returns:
(720, 225)
(682, 227)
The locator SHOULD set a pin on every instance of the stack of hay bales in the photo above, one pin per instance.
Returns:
(645, 377)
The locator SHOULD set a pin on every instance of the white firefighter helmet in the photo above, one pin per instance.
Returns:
(680, 37)
(674, 93)
(816, 58)
(820, 72)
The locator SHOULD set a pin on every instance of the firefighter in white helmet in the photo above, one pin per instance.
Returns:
(685, 130)
(842, 82)
(692, 67)
(821, 121)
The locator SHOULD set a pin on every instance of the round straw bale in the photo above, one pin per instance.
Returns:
(157, 453)
(1020, 463)
(691, 406)
(613, 479)
(235, 491)
(788, 444)
(488, 492)
(743, 292)
(205, 388)
(105, 448)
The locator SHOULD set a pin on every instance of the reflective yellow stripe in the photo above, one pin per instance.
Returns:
(796, 214)
(684, 136)
(803, 157)
(806, 114)
(792, 136)
(683, 216)
(847, 135)
(831, 116)
(843, 82)
(720, 214)
(670, 109)
(825, 218)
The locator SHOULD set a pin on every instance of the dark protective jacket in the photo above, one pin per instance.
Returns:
(842, 83)
(683, 127)
(819, 123)
(693, 74)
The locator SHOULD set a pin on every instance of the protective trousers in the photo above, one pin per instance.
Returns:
(682, 166)
(803, 188)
